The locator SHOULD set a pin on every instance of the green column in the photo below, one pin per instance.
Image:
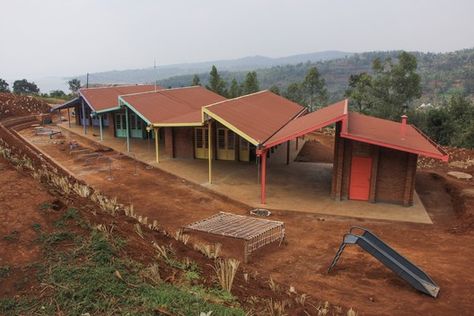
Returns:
(128, 131)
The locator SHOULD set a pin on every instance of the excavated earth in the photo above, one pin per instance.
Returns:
(443, 249)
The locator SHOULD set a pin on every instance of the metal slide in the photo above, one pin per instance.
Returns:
(390, 258)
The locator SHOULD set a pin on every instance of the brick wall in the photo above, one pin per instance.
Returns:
(183, 142)
(392, 175)
(169, 146)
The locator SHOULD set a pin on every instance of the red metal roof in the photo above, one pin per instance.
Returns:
(361, 128)
(258, 115)
(387, 133)
(172, 106)
(309, 123)
(104, 98)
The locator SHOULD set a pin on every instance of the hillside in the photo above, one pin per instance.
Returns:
(241, 64)
(441, 73)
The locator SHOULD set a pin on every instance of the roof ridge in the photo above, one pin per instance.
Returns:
(117, 86)
(237, 98)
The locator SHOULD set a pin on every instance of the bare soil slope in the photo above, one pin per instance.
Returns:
(359, 280)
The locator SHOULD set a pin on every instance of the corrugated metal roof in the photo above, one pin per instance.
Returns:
(308, 123)
(389, 134)
(172, 106)
(256, 116)
(104, 98)
(362, 128)
(68, 104)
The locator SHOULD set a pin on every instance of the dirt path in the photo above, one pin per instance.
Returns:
(312, 240)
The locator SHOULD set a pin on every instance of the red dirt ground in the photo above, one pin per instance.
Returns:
(443, 249)
(25, 213)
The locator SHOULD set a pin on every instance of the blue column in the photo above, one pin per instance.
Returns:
(100, 127)
(128, 131)
(83, 117)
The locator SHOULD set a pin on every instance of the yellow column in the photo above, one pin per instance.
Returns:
(209, 148)
(157, 149)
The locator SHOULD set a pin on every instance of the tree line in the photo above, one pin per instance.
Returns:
(393, 87)
(24, 86)
(311, 92)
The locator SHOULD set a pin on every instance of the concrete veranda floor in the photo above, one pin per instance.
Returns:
(300, 186)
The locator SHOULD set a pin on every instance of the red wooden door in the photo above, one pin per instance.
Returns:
(359, 187)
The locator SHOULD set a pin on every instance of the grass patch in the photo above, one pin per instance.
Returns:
(36, 227)
(13, 236)
(45, 206)
(4, 272)
(51, 240)
(92, 278)
(70, 214)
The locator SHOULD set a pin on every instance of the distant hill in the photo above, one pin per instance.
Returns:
(242, 64)
(442, 74)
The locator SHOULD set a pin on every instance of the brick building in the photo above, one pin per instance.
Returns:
(374, 159)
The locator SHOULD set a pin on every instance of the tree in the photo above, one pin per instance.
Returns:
(250, 84)
(394, 86)
(234, 90)
(25, 87)
(216, 83)
(359, 91)
(314, 90)
(196, 81)
(275, 89)
(74, 85)
(4, 86)
(294, 92)
(390, 90)
(59, 94)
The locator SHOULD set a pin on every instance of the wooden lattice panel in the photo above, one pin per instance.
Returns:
(255, 232)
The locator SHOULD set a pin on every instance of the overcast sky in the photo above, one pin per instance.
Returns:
(65, 37)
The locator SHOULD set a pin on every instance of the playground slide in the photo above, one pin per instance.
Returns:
(390, 258)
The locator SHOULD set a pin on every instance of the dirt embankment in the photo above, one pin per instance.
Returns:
(253, 291)
(12, 105)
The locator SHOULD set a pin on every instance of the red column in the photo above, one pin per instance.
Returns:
(263, 157)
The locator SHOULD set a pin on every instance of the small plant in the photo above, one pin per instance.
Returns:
(210, 251)
(81, 190)
(139, 231)
(163, 252)
(323, 309)
(225, 270)
(106, 204)
(152, 273)
(13, 236)
(36, 227)
(4, 271)
(351, 312)
(276, 308)
(273, 286)
(106, 229)
(45, 206)
(301, 299)
(191, 275)
(180, 236)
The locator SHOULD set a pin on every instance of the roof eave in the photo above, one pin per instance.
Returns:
(440, 156)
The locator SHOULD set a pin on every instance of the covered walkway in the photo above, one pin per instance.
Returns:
(300, 186)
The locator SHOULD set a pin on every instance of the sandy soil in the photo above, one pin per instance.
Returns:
(312, 240)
